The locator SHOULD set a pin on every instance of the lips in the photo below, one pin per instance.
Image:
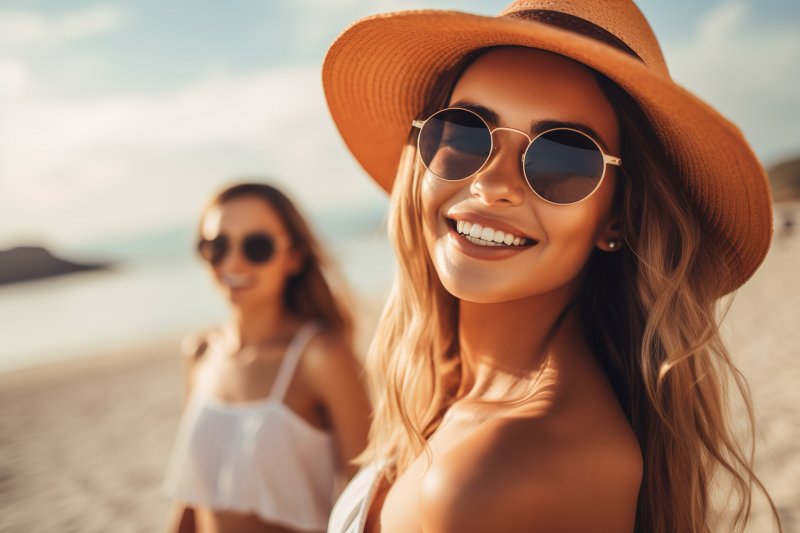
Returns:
(237, 281)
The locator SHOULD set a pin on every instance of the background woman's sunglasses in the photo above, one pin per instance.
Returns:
(257, 248)
(561, 165)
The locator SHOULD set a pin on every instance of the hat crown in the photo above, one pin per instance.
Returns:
(620, 18)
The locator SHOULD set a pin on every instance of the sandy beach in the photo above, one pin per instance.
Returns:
(84, 443)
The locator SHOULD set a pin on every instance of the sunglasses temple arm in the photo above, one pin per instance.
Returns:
(611, 160)
(417, 123)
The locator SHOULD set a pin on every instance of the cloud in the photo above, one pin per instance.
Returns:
(14, 76)
(123, 163)
(749, 72)
(22, 29)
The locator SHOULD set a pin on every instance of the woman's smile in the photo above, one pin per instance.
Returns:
(483, 237)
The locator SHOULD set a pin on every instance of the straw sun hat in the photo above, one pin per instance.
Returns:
(379, 72)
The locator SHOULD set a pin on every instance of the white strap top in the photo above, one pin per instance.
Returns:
(256, 457)
(349, 515)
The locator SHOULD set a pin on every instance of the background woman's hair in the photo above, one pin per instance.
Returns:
(651, 316)
(316, 291)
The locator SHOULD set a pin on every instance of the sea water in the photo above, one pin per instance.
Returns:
(159, 290)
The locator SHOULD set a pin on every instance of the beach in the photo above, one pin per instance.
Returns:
(84, 442)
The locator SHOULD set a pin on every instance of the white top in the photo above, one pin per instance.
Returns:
(349, 515)
(256, 457)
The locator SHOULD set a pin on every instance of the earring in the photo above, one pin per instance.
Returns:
(612, 244)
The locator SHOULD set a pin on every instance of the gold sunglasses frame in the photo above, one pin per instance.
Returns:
(607, 159)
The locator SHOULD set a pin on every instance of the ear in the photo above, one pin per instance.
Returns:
(610, 239)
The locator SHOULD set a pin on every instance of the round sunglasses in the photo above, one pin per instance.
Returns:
(257, 248)
(561, 165)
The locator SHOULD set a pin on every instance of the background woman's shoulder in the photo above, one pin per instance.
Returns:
(195, 344)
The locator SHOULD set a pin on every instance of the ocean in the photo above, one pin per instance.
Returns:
(157, 288)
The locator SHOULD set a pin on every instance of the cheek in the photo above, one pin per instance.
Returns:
(571, 227)
(572, 232)
(436, 196)
(274, 273)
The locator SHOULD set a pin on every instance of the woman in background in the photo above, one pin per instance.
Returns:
(275, 408)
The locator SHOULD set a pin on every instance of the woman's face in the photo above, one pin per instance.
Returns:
(521, 88)
(248, 284)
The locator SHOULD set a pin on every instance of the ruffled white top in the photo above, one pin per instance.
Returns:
(257, 457)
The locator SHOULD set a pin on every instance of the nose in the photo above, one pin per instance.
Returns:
(233, 261)
(501, 180)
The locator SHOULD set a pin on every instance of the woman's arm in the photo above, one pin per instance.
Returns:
(181, 517)
(335, 374)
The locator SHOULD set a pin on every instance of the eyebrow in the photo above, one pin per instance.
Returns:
(536, 127)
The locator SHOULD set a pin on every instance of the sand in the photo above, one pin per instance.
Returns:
(84, 443)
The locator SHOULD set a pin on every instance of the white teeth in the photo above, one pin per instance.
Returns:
(487, 236)
(235, 282)
(481, 241)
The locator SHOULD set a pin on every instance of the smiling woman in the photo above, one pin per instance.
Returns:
(275, 409)
(566, 220)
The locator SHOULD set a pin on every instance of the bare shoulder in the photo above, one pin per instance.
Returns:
(537, 474)
(327, 356)
(194, 345)
(192, 349)
(334, 373)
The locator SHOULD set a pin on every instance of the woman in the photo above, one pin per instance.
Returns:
(566, 220)
(275, 406)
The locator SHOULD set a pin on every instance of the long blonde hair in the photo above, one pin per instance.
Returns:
(316, 291)
(673, 377)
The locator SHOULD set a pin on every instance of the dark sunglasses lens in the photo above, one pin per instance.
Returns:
(213, 250)
(454, 144)
(563, 166)
(258, 248)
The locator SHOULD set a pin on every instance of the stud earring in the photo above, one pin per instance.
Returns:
(612, 245)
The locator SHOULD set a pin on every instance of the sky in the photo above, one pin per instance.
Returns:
(121, 118)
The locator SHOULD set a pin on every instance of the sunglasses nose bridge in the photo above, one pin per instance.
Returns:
(498, 179)
(236, 256)
(512, 130)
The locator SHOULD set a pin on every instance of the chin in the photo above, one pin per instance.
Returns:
(477, 289)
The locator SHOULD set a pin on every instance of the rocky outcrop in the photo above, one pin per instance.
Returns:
(27, 263)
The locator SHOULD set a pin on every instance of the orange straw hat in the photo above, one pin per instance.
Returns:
(379, 72)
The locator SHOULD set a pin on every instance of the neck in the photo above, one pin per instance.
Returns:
(510, 339)
(266, 322)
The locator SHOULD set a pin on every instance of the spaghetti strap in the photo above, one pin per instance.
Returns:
(291, 360)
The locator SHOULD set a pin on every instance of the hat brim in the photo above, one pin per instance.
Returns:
(379, 72)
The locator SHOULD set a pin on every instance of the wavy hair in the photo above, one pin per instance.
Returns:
(316, 291)
(674, 378)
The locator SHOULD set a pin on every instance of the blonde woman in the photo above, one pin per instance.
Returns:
(566, 220)
(275, 406)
